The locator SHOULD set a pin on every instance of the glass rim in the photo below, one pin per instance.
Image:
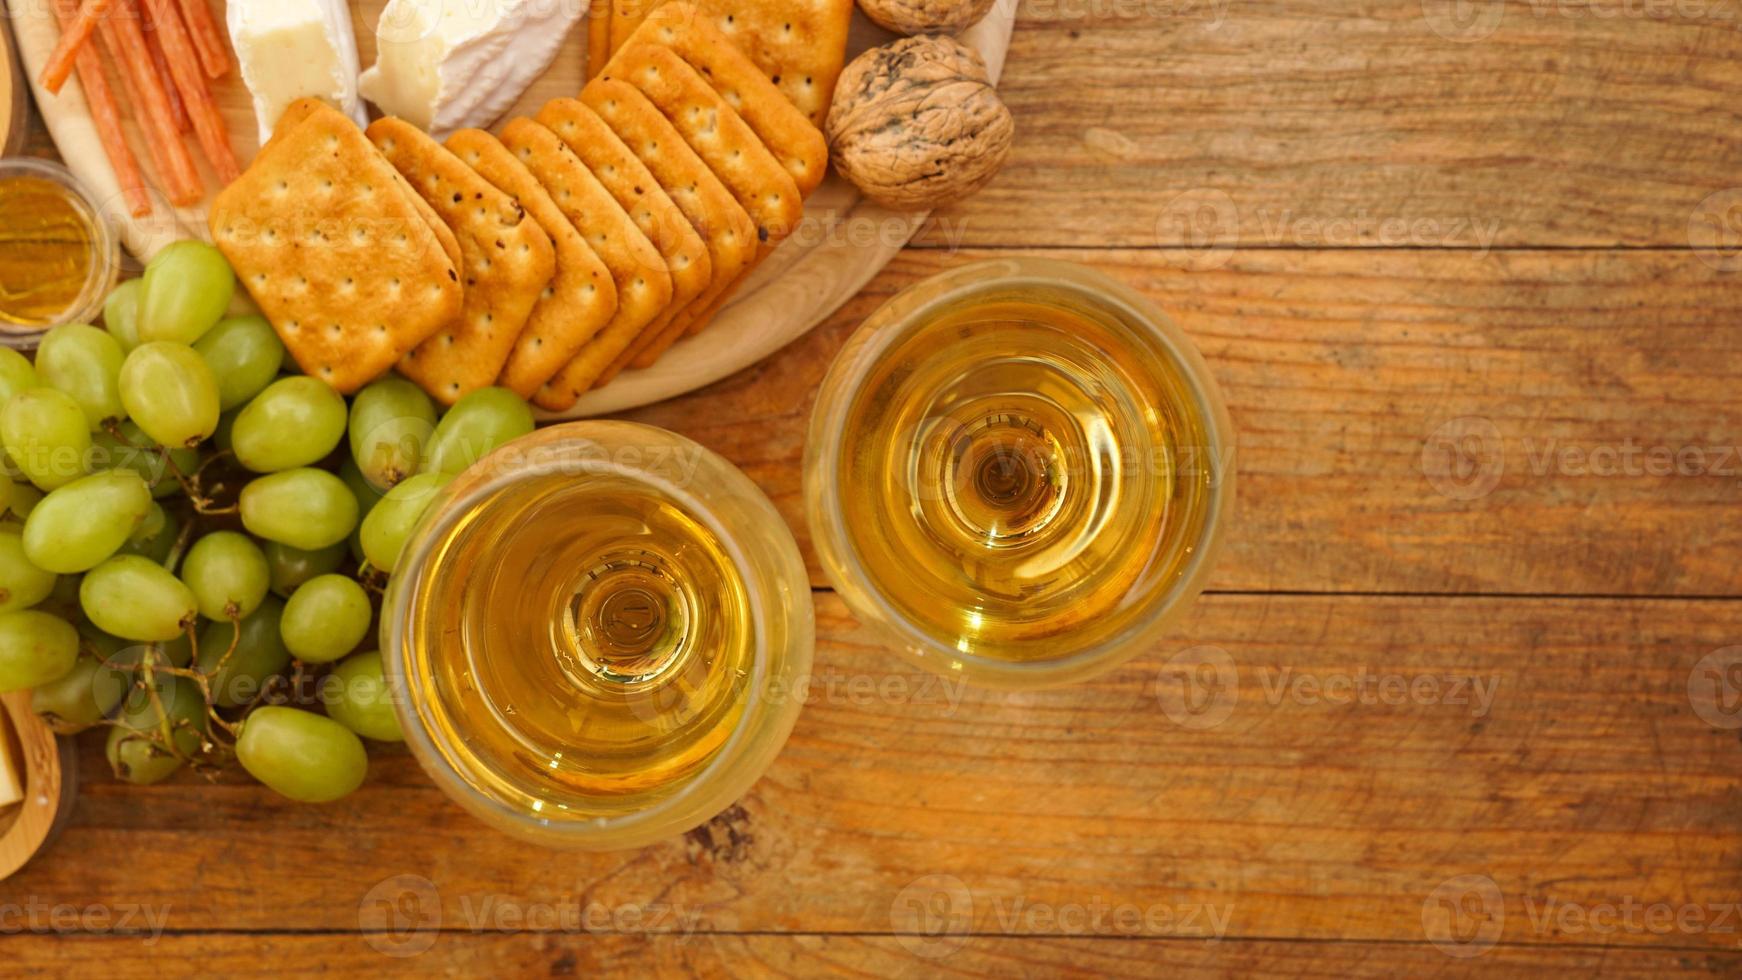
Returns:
(890, 324)
(105, 267)
(442, 513)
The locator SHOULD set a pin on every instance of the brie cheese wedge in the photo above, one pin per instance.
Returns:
(295, 49)
(445, 65)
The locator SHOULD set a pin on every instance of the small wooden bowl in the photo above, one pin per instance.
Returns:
(14, 94)
(50, 771)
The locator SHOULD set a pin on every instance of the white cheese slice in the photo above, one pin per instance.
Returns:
(444, 65)
(295, 49)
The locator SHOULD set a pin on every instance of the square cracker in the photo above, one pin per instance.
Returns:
(333, 248)
(579, 301)
(640, 273)
(671, 228)
(717, 217)
(788, 133)
(800, 47)
(509, 260)
(628, 180)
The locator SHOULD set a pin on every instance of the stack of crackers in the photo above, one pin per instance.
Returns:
(545, 259)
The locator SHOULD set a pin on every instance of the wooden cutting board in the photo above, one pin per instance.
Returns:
(844, 242)
(14, 97)
(49, 769)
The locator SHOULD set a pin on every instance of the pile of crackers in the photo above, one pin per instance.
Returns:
(545, 259)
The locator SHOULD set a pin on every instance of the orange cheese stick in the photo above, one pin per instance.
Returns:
(106, 114)
(161, 63)
(73, 37)
(214, 54)
(126, 45)
(184, 65)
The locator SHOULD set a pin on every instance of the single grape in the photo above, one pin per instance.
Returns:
(85, 363)
(76, 527)
(325, 619)
(291, 567)
(170, 392)
(121, 313)
(22, 583)
(365, 492)
(226, 426)
(155, 537)
(137, 599)
(307, 757)
(304, 508)
(82, 698)
(187, 288)
(25, 497)
(480, 423)
(133, 450)
(243, 353)
(357, 696)
(6, 490)
(391, 422)
(35, 648)
(294, 422)
(63, 600)
(160, 726)
(227, 574)
(259, 654)
(16, 374)
(46, 436)
(390, 524)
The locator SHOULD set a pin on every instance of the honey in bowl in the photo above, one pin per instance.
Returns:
(57, 255)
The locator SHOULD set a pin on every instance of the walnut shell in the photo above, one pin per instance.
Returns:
(925, 16)
(916, 124)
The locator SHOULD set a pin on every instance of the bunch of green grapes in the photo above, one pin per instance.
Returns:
(195, 537)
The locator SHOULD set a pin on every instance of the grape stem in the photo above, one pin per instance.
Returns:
(190, 484)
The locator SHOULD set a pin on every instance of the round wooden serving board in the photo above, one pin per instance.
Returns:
(845, 239)
(48, 768)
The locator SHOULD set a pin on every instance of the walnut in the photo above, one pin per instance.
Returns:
(916, 124)
(925, 16)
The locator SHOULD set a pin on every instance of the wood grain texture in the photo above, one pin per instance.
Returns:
(1342, 368)
(1290, 123)
(1556, 755)
(556, 955)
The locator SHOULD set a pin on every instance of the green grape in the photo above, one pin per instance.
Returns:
(259, 654)
(357, 696)
(85, 363)
(24, 499)
(227, 574)
(121, 313)
(326, 619)
(188, 286)
(304, 508)
(291, 567)
(226, 428)
(35, 648)
(481, 422)
(390, 524)
(294, 422)
(365, 492)
(137, 599)
(170, 392)
(78, 526)
(307, 757)
(82, 698)
(139, 747)
(155, 537)
(16, 374)
(391, 422)
(63, 599)
(7, 488)
(134, 450)
(243, 353)
(46, 436)
(22, 583)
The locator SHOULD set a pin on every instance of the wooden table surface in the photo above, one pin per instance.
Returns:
(1466, 694)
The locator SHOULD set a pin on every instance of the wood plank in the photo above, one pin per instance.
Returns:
(1549, 748)
(1344, 371)
(1290, 123)
(561, 955)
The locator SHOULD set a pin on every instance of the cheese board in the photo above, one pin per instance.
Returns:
(842, 241)
(47, 773)
(14, 99)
